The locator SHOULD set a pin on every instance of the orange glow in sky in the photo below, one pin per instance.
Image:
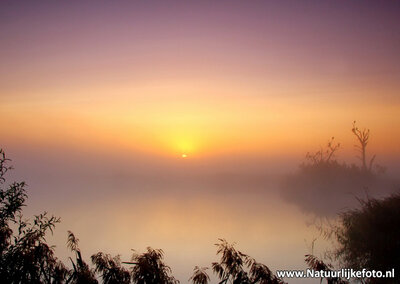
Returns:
(167, 88)
(161, 122)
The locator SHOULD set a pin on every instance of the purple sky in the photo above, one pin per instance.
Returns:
(100, 99)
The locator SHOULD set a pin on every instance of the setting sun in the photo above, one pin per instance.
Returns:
(162, 126)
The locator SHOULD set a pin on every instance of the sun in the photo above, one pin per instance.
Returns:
(184, 156)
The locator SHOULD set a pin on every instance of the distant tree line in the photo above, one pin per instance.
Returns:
(322, 184)
(368, 238)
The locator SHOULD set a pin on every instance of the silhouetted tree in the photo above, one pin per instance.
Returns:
(25, 257)
(200, 275)
(316, 264)
(110, 268)
(149, 268)
(369, 237)
(81, 272)
(322, 177)
(233, 265)
(324, 156)
(363, 139)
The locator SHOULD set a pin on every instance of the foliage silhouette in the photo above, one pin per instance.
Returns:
(324, 186)
(25, 257)
(149, 268)
(237, 267)
(369, 237)
(81, 272)
(110, 268)
(318, 265)
(200, 275)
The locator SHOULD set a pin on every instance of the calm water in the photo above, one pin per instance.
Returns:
(179, 210)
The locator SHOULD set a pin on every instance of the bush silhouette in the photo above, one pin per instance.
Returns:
(325, 186)
(237, 267)
(110, 268)
(318, 265)
(369, 237)
(200, 275)
(81, 273)
(25, 257)
(149, 268)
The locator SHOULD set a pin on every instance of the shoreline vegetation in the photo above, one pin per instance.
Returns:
(324, 185)
(365, 237)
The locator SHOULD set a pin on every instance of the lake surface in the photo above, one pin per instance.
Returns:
(181, 211)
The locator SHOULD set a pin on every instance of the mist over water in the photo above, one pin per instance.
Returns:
(115, 206)
(100, 100)
(117, 203)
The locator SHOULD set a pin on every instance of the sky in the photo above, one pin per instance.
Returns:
(204, 78)
(99, 100)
